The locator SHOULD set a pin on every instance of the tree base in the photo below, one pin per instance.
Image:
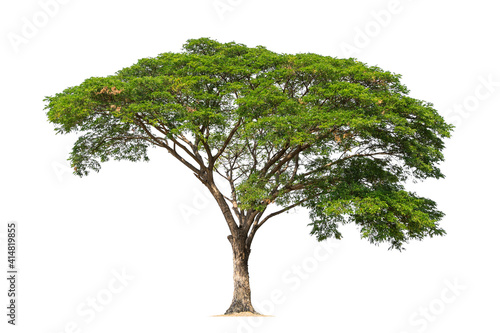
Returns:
(243, 314)
(241, 307)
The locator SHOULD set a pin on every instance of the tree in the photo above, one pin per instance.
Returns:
(266, 133)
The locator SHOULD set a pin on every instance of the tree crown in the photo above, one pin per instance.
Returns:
(333, 135)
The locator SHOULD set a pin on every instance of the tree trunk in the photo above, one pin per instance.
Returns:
(241, 296)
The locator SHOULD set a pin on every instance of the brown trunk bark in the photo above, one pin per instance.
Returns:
(241, 296)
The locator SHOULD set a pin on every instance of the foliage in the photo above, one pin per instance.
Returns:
(333, 135)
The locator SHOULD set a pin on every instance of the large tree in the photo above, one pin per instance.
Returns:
(267, 132)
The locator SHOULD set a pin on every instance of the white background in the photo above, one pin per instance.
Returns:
(151, 219)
